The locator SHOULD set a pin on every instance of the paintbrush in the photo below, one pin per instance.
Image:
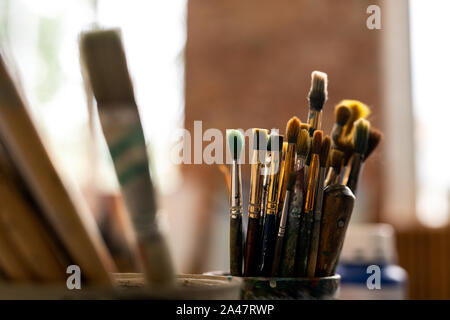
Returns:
(295, 206)
(317, 97)
(361, 139)
(269, 232)
(278, 253)
(308, 213)
(292, 131)
(323, 157)
(254, 209)
(105, 63)
(62, 207)
(235, 141)
(334, 169)
(342, 115)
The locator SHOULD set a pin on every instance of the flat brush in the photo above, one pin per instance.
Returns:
(105, 64)
(323, 157)
(295, 206)
(292, 131)
(361, 140)
(317, 97)
(235, 141)
(254, 209)
(282, 227)
(269, 233)
(308, 213)
(334, 169)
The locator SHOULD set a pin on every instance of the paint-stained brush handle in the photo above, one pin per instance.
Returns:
(236, 245)
(337, 210)
(252, 247)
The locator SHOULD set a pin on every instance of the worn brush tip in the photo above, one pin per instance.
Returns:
(342, 114)
(324, 151)
(305, 126)
(361, 137)
(292, 129)
(336, 158)
(104, 63)
(260, 138)
(235, 140)
(303, 144)
(275, 142)
(375, 137)
(317, 141)
(318, 93)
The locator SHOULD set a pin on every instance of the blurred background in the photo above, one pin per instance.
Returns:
(244, 64)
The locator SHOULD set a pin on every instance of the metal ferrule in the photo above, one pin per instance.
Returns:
(286, 170)
(256, 185)
(314, 120)
(312, 183)
(236, 191)
(271, 207)
(284, 215)
(330, 177)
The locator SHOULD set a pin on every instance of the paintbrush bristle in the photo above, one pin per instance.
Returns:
(303, 144)
(324, 151)
(375, 137)
(361, 137)
(235, 140)
(305, 126)
(342, 114)
(336, 157)
(292, 130)
(317, 141)
(105, 64)
(260, 139)
(318, 93)
(358, 110)
(275, 142)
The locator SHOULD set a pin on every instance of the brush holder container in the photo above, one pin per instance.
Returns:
(131, 286)
(274, 288)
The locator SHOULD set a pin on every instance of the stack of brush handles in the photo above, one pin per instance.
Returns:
(45, 226)
(302, 190)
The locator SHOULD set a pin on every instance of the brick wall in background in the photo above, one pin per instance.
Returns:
(248, 64)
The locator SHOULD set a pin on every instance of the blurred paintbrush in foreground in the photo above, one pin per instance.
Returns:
(104, 59)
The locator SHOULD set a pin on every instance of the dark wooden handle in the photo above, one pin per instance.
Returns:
(236, 246)
(268, 245)
(277, 256)
(252, 248)
(337, 210)
(304, 241)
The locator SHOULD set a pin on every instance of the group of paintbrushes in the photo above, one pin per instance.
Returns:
(302, 190)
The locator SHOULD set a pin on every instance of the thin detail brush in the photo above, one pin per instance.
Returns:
(308, 213)
(235, 141)
(269, 234)
(254, 209)
(323, 157)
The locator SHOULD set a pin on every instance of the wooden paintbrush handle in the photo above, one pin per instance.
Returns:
(337, 210)
(277, 256)
(236, 245)
(268, 245)
(304, 241)
(252, 247)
